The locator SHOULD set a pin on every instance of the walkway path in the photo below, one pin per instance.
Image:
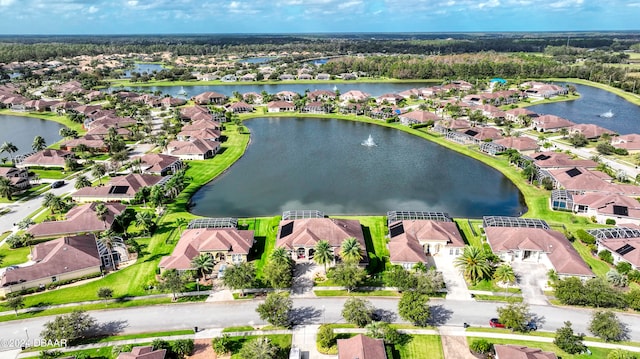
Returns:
(456, 285)
(304, 337)
(533, 277)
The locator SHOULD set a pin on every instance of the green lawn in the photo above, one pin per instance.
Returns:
(281, 340)
(467, 233)
(420, 347)
(50, 116)
(265, 231)
(596, 352)
(55, 174)
(9, 257)
(375, 230)
(599, 267)
(132, 280)
(489, 285)
(356, 293)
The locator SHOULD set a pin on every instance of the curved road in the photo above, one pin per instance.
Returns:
(306, 311)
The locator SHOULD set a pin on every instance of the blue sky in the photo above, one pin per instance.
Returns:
(299, 16)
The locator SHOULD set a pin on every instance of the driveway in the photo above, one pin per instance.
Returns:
(532, 277)
(456, 285)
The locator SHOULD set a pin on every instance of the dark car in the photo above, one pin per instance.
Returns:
(495, 323)
(57, 184)
(531, 326)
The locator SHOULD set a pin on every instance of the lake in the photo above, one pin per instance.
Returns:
(372, 88)
(22, 130)
(592, 103)
(321, 164)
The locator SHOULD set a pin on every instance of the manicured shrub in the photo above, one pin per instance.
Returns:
(481, 346)
(606, 256)
(585, 237)
(610, 221)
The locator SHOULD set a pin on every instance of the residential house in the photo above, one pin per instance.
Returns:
(550, 123)
(555, 160)
(210, 98)
(80, 219)
(191, 112)
(45, 158)
(120, 188)
(203, 133)
(300, 236)
(361, 347)
(321, 95)
(228, 245)
(248, 77)
(286, 77)
(195, 149)
(305, 77)
(630, 142)
(542, 90)
(354, 96)
(590, 131)
(525, 145)
(94, 142)
(323, 77)
(207, 123)
(515, 115)
(159, 164)
(604, 206)
(280, 106)
(58, 260)
(240, 107)
(512, 351)
(288, 96)
(411, 241)
(145, 352)
(252, 97)
(19, 177)
(417, 117)
(579, 180)
(168, 102)
(516, 239)
(390, 98)
(315, 107)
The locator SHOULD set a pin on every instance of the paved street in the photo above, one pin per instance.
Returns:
(306, 311)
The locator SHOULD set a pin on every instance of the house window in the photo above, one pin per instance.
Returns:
(54, 279)
(451, 251)
(457, 251)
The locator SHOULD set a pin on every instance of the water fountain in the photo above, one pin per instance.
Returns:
(607, 114)
(369, 142)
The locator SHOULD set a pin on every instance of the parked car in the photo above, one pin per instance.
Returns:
(531, 326)
(57, 184)
(495, 323)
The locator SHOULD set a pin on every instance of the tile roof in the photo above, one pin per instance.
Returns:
(119, 187)
(156, 162)
(420, 116)
(551, 122)
(309, 231)
(564, 258)
(521, 143)
(551, 159)
(80, 219)
(511, 351)
(48, 157)
(194, 241)
(56, 257)
(361, 347)
(615, 244)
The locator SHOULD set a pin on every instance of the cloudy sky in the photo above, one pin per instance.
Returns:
(299, 16)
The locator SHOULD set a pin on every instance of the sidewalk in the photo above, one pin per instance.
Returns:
(304, 337)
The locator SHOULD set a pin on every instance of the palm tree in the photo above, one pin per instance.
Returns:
(136, 164)
(180, 222)
(323, 253)
(203, 263)
(280, 256)
(6, 188)
(474, 264)
(82, 182)
(9, 148)
(101, 212)
(350, 250)
(98, 170)
(39, 143)
(144, 219)
(505, 274)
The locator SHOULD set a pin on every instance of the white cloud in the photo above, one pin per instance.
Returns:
(132, 2)
(349, 4)
(93, 9)
(566, 3)
(490, 3)
(6, 2)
